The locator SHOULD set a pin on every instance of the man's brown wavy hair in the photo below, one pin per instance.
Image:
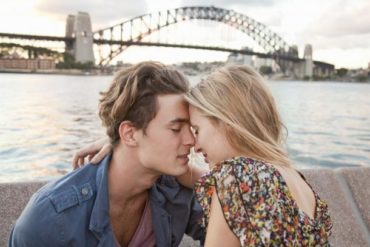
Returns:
(133, 95)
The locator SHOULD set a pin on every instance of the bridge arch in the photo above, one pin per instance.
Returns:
(152, 22)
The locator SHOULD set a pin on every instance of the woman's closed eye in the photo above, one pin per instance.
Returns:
(195, 131)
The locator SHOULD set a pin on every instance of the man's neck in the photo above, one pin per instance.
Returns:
(128, 180)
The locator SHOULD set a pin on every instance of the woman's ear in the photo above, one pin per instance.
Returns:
(127, 133)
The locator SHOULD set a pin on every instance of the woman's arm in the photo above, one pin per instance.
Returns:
(94, 152)
(218, 231)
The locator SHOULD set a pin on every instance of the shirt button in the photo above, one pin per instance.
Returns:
(85, 191)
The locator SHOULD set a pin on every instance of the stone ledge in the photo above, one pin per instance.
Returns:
(346, 190)
(358, 181)
(348, 228)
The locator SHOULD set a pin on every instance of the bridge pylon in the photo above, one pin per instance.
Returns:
(79, 28)
(308, 64)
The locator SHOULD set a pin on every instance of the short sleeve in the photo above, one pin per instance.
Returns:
(237, 189)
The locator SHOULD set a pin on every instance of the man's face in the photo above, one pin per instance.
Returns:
(165, 146)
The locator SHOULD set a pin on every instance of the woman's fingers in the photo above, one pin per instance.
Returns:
(75, 160)
(107, 148)
(89, 152)
(89, 157)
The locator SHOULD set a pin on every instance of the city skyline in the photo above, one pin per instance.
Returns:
(338, 30)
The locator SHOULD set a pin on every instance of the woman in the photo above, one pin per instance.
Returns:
(252, 196)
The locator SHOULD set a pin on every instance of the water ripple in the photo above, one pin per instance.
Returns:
(44, 119)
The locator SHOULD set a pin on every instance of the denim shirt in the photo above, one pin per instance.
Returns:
(74, 211)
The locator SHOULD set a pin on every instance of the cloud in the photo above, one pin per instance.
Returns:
(344, 42)
(342, 26)
(343, 19)
(228, 3)
(102, 13)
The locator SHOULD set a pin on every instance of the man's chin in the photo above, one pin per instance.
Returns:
(183, 161)
(184, 168)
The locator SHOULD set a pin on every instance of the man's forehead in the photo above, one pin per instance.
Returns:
(170, 98)
(173, 107)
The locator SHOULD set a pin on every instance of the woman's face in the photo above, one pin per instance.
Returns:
(210, 138)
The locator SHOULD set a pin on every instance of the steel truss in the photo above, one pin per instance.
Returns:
(135, 29)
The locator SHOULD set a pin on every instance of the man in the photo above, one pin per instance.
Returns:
(126, 200)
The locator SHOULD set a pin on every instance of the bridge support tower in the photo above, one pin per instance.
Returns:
(308, 63)
(79, 27)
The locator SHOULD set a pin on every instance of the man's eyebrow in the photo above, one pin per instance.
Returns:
(180, 120)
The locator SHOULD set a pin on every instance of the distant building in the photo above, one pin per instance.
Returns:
(237, 58)
(27, 64)
(263, 62)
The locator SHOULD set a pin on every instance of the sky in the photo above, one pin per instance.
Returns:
(338, 30)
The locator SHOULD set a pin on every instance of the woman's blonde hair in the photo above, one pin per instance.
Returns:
(237, 96)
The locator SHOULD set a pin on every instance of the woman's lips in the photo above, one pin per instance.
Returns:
(205, 158)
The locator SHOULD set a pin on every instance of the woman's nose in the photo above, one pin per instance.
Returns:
(197, 148)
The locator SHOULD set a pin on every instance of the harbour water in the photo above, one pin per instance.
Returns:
(44, 119)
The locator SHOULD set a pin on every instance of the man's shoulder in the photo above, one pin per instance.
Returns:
(43, 217)
(70, 190)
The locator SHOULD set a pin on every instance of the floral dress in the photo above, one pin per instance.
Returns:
(258, 206)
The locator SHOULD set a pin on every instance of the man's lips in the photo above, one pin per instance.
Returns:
(183, 156)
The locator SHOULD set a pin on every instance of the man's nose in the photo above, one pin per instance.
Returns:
(189, 139)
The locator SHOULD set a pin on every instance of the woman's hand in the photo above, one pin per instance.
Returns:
(94, 153)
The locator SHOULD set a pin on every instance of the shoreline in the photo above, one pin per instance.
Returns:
(76, 72)
(54, 72)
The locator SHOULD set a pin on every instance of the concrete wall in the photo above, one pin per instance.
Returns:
(346, 190)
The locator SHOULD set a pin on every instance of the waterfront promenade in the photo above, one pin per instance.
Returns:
(346, 190)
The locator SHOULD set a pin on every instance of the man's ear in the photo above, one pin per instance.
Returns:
(127, 133)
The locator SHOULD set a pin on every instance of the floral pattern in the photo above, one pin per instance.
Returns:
(258, 206)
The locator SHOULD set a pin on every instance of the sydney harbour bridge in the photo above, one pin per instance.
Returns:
(80, 40)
